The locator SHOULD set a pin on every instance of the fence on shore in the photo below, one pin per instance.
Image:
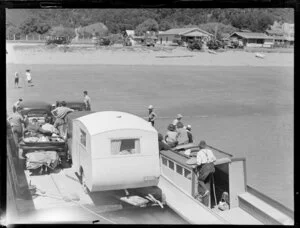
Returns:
(36, 38)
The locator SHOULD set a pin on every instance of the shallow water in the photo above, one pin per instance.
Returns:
(246, 111)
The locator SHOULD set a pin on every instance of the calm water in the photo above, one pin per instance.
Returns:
(246, 111)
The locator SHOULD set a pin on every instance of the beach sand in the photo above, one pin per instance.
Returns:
(39, 54)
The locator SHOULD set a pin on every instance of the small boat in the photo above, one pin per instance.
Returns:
(259, 55)
(230, 199)
(212, 52)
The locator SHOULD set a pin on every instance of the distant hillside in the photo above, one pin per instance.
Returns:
(120, 19)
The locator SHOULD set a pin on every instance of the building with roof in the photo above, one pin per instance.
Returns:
(283, 33)
(252, 39)
(129, 32)
(172, 35)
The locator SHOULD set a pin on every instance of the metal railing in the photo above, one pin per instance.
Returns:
(42, 38)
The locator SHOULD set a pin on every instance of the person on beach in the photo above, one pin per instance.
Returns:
(16, 80)
(152, 115)
(87, 101)
(189, 133)
(205, 167)
(171, 136)
(17, 104)
(177, 120)
(28, 77)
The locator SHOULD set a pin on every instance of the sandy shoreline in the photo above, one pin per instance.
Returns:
(38, 54)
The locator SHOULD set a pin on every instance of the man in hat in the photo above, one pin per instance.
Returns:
(182, 134)
(87, 101)
(178, 119)
(151, 115)
(171, 136)
(205, 166)
(17, 104)
(189, 133)
(60, 113)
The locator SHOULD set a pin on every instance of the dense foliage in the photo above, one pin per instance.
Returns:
(118, 20)
(62, 31)
(148, 25)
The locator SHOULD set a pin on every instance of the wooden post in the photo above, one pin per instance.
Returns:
(14, 36)
(39, 37)
(26, 37)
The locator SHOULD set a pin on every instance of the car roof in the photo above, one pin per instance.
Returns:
(35, 104)
(75, 103)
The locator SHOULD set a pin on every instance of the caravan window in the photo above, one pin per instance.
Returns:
(179, 169)
(125, 146)
(82, 137)
(187, 174)
(164, 161)
(171, 164)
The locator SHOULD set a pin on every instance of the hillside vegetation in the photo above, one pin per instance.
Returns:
(27, 21)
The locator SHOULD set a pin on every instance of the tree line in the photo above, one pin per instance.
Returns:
(114, 21)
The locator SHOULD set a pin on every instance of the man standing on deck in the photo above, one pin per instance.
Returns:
(151, 115)
(205, 167)
(177, 120)
(87, 101)
(16, 120)
(60, 113)
(189, 132)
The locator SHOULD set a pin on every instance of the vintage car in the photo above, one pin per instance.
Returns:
(57, 40)
(36, 109)
(76, 105)
(41, 110)
(149, 42)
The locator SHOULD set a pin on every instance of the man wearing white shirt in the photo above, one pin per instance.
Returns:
(205, 162)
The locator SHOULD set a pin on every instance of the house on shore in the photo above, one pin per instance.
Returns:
(252, 39)
(184, 34)
(136, 40)
(283, 34)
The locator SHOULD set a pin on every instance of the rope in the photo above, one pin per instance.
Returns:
(85, 208)
(172, 117)
(213, 182)
(92, 212)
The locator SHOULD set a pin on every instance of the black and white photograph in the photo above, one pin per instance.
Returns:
(150, 116)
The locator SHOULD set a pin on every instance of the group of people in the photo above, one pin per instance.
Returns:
(20, 124)
(28, 78)
(178, 134)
